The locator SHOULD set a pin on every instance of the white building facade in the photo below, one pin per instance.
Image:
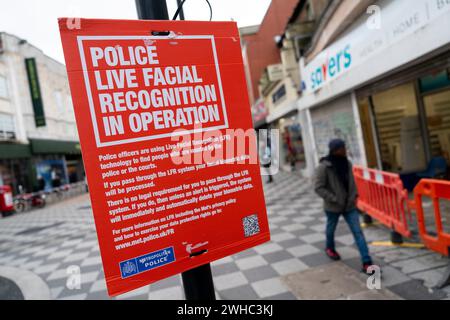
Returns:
(38, 135)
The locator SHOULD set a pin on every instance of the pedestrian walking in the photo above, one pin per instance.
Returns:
(335, 184)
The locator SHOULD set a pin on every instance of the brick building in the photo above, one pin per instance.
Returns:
(259, 42)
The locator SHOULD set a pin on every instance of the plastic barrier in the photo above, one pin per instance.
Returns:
(383, 197)
(435, 190)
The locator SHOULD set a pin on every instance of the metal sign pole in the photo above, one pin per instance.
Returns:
(198, 282)
(181, 11)
(152, 9)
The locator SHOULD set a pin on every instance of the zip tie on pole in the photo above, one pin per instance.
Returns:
(175, 16)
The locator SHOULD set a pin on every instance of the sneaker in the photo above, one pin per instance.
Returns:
(366, 266)
(332, 254)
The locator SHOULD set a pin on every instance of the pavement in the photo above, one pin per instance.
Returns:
(9, 290)
(337, 281)
(58, 243)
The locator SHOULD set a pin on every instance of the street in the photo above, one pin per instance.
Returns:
(48, 241)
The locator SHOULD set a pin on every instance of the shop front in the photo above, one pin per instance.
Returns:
(41, 164)
(15, 165)
(56, 162)
(292, 152)
(336, 119)
(283, 117)
(280, 100)
(392, 83)
(406, 120)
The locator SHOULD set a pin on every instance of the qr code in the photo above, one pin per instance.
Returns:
(251, 225)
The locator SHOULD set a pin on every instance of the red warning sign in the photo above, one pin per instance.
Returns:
(167, 141)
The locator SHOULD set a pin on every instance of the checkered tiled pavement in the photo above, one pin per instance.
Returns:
(49, 240)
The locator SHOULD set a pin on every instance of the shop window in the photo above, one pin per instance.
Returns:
(52, 172)
(399, 131)
(7, 131)
(437, 109)
(435, 81)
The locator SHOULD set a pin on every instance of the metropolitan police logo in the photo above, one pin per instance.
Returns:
(129, 268)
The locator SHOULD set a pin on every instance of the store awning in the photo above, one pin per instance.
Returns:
(14, 151)
(42, 146)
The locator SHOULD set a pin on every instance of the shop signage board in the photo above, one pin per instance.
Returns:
(275, 72)
(165, 129)
(366, 41)
(35, 92)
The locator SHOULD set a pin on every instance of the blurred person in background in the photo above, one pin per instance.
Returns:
(335, 184)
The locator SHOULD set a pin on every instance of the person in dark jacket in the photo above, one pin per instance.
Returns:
(335, 184)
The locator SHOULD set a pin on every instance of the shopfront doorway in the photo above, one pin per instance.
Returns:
(292, 153)
(395, 114)
(406, 128)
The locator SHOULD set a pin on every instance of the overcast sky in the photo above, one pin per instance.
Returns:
(36, 21)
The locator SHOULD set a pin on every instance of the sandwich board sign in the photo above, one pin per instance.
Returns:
(165, 129)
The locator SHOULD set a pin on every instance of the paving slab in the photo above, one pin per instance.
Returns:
(64, 235)
(9, 290)
(334, 281)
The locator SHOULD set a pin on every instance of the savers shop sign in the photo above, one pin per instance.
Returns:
(328, 66)
(166, 134)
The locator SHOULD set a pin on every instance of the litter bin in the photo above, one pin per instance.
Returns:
(6, 201)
